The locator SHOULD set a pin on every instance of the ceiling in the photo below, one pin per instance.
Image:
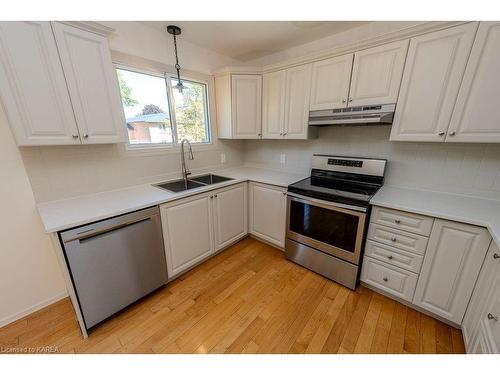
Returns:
(248, 40)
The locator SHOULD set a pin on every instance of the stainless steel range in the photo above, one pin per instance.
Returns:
(327, 215)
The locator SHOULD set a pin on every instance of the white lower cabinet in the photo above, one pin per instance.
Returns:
(451, 266)
(230, 212)
(268, 213)
(481, 325)
(195, 227)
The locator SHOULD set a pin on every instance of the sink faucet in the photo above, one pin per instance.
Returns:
(185, 170)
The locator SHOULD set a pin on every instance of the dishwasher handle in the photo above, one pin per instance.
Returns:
(88, 234)
(107, 226)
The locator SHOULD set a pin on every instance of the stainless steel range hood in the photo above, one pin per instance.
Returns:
(363, 115)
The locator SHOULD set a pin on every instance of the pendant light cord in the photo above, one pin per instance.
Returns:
(177, 66)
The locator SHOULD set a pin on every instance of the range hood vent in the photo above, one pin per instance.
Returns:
(363, 115)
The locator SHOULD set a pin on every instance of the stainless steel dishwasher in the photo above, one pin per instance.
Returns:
(115, 262)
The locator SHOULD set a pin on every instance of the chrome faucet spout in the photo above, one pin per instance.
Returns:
(185, 170)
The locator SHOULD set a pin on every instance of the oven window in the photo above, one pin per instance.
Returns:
(331, 227)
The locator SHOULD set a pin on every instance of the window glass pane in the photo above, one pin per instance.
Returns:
(145, 103)
(191, 115)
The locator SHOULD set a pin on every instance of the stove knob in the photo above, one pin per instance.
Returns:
(389, 257)
(393, 239)
(397, 221)
(385, 279)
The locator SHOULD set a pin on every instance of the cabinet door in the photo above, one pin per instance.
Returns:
(268, 213)
(431, 80)
(273, 104)
(230, 210)
(451, 266)
(330, 83)
(376, 74)
(246, 91)
(476, 114)
(32, 86)
(187, 232)
(298, 91)
(92, 84)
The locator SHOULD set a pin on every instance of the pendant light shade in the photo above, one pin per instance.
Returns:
(174, 31)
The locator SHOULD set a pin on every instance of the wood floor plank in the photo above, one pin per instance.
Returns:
(246, 299)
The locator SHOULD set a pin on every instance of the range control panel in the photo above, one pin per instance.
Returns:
(346, 163)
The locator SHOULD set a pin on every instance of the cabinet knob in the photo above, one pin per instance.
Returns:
(75, 136)
(452, 133)
(397, 221)
(343, 100)
(385, 279)
(281, 134)
(284, 193)
(215, 195)
(492, 317)
(350, 100)
(441, 133)
(496, 256)
(285, 134)
(389, 257)
(211, 197)
(85, 136)
(393, 239)
(260, 134)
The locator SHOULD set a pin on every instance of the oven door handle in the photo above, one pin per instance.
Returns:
(305, 199)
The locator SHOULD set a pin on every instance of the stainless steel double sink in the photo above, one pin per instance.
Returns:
(192, 183)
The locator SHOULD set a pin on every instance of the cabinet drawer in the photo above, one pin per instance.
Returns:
(395, 281)
(402, 240)
(394, 256)
(407, 221)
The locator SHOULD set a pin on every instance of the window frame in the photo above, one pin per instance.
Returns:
(167, 74)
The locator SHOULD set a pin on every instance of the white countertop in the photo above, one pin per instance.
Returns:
(68, 213)
(463, 208)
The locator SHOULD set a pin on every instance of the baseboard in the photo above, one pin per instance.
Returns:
(32, 309)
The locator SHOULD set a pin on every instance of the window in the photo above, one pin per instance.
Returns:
(158, 115)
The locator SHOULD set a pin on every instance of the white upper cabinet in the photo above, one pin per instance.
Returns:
(330, 83)
(239, 103)
(298, 90)
(376, 74)
(477, 111)
(58, 85)
(32, 86)
(450, 269)
(92, 84)
(285, 100)
(273, 104)
(431, 80)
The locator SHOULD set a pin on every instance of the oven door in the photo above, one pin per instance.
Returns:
(329, 227)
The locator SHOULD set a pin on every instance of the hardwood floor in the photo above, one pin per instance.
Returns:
(248, 299)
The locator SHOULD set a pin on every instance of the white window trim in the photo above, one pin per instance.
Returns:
(140, 65)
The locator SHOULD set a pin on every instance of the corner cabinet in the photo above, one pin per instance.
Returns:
(450, 269)
(196, 227)
(476, 114)
(285, 100)
(431, 81)
(481, 326)
(58, 84)
(238, 102)
(268, 213)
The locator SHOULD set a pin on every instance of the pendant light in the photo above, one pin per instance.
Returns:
(174, 31)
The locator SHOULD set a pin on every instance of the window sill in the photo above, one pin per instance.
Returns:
(128, 150)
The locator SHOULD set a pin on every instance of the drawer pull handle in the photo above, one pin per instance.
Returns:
(496, 256)
(397, 221)
(390, 257)
(492, 317)
(393, 239)
(385, 279)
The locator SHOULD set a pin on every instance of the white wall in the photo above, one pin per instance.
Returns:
(30, 277)
(66, 171)
(472, 169)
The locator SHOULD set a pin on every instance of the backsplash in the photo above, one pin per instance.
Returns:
(58, 172)
(472, 169)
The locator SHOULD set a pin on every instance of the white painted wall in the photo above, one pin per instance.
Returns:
(472, 169)
(30, 277)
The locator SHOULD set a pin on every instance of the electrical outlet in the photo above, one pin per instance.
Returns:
(282, 159)
(223, 158)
